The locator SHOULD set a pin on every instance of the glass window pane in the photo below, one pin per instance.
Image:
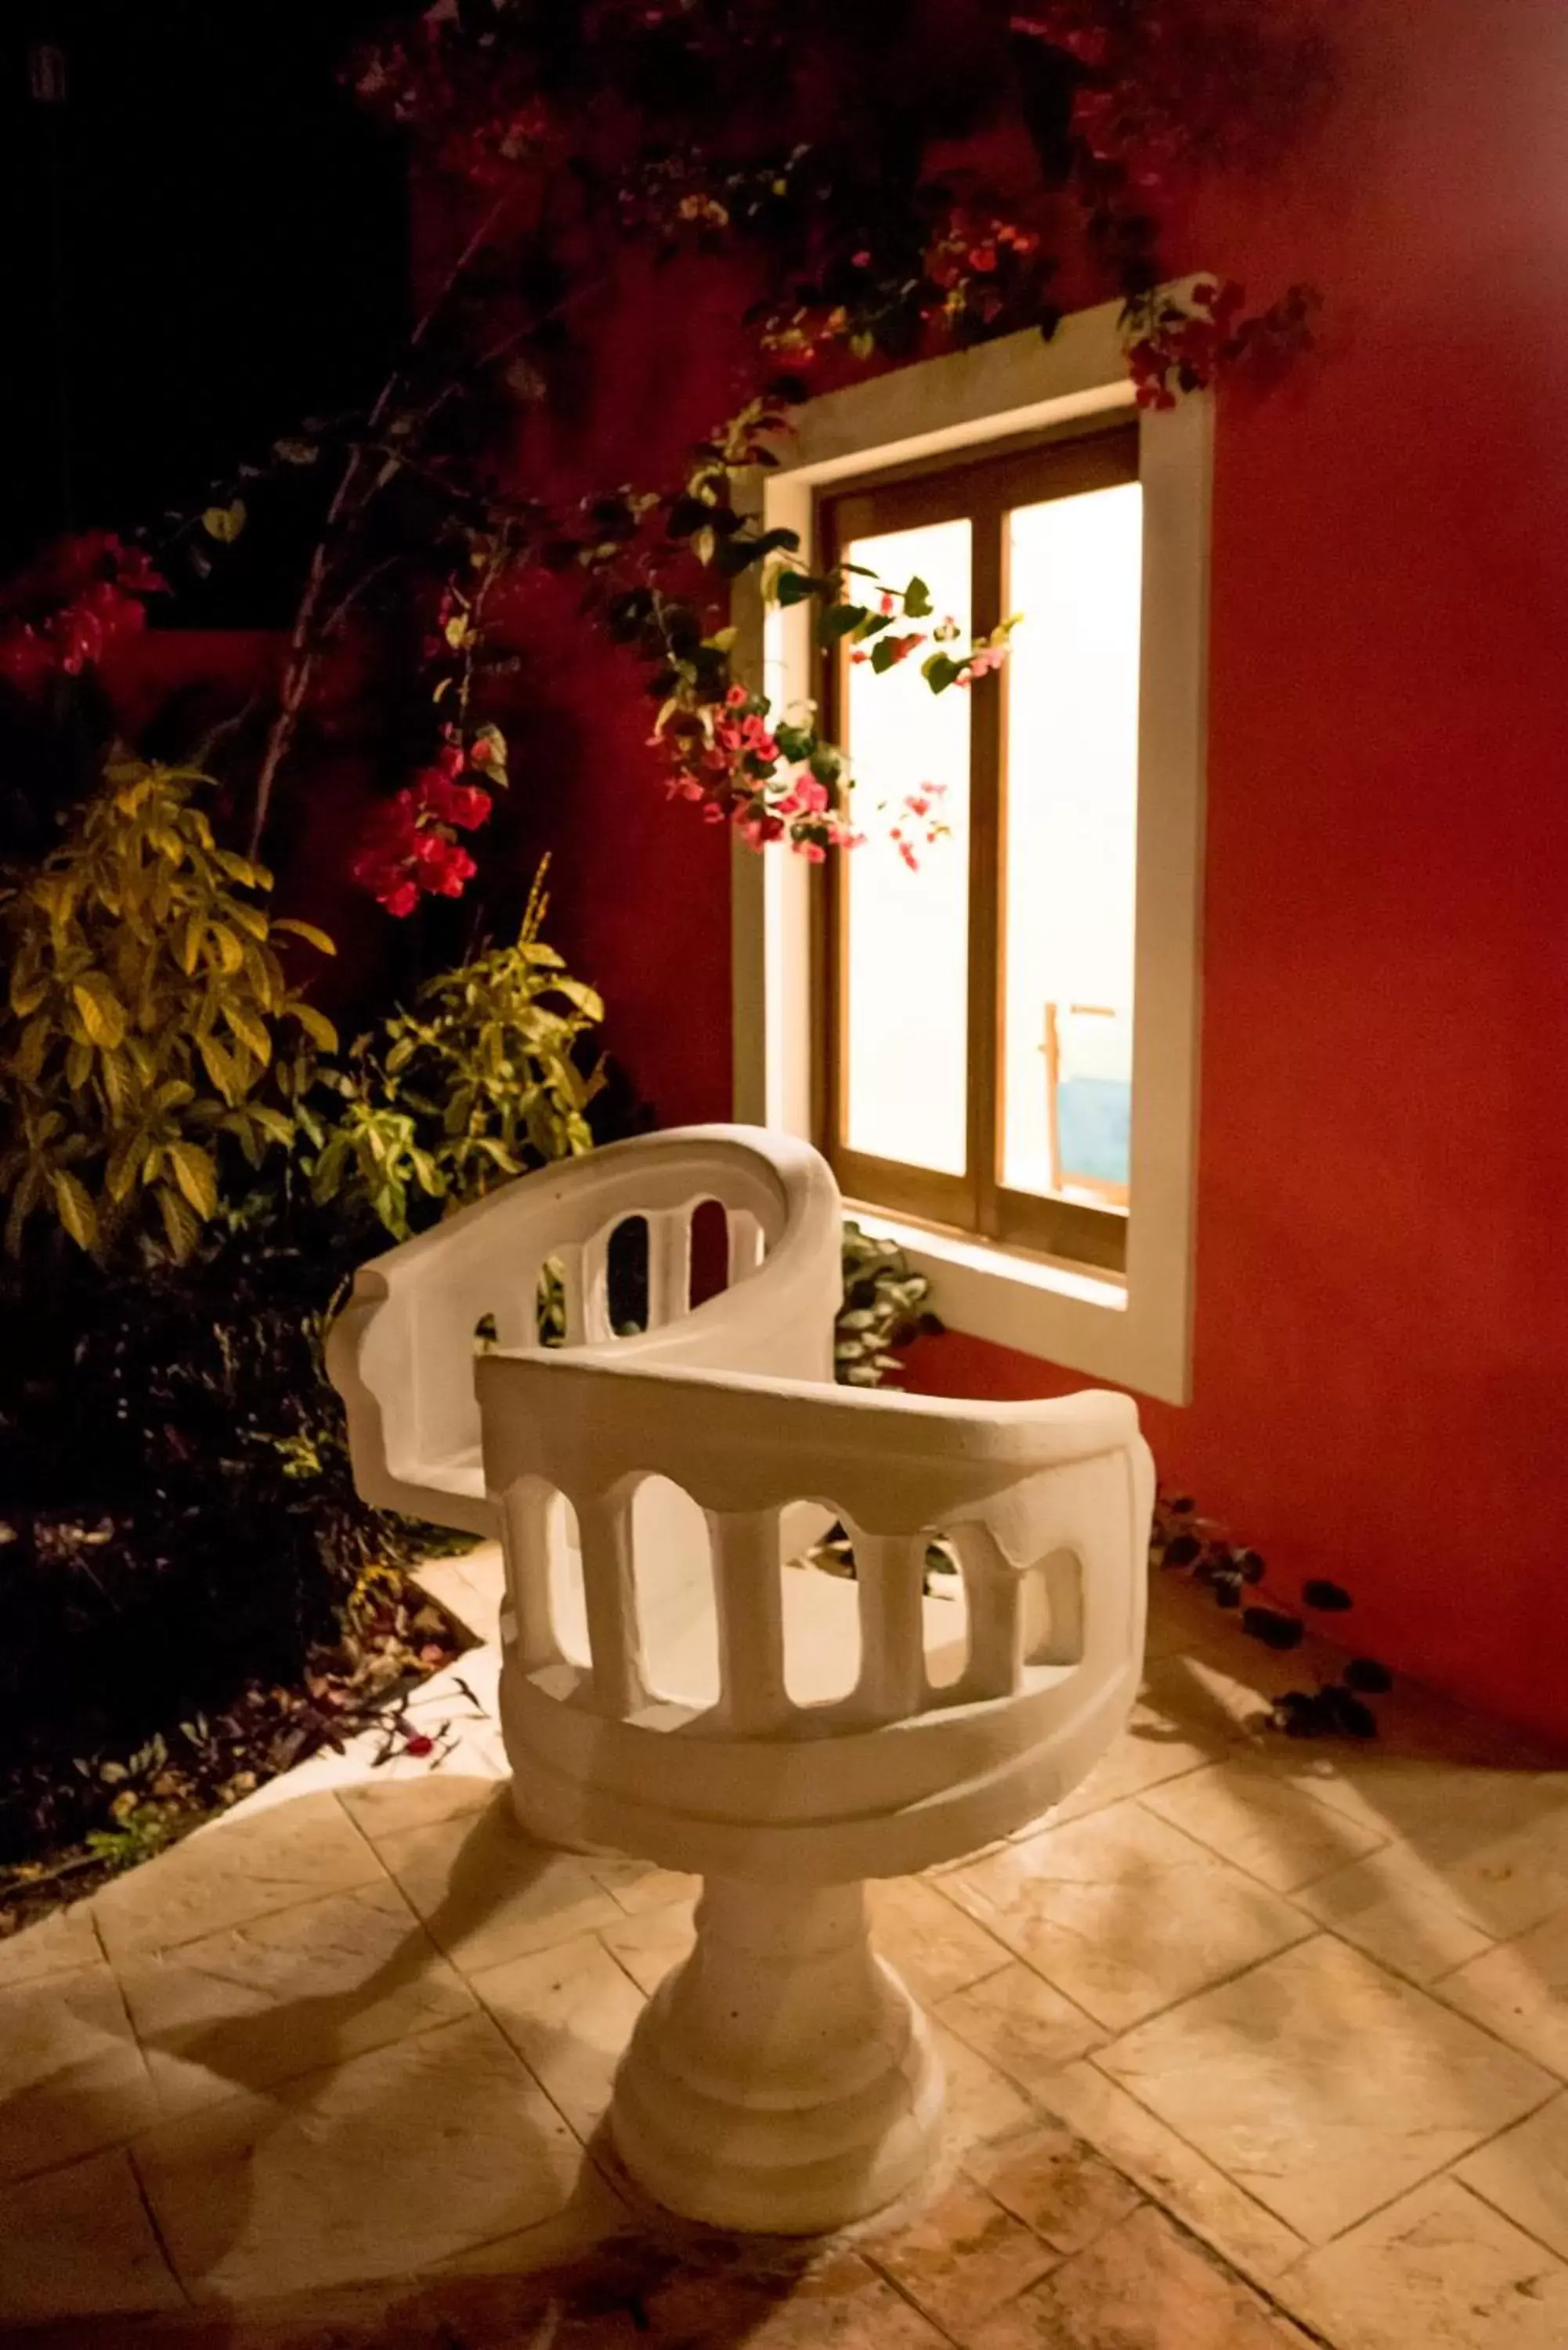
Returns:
(1076, 575)
(906, 974)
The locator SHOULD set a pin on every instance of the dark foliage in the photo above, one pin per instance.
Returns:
(1335, 1708)
(179, 1519)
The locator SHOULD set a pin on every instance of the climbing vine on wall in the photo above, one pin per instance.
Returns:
(731, 141)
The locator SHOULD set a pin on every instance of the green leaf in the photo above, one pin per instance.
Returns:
(316, 1026)
(939, 671)
(225, 523)
(307, 932)
(76, 1211)
(250, 1032)
(793, 587)
(180, 1228)
(221, 1067)
(102, 1013)
(271, 1121)
(917, 604)
(231, 952)
(196, 1176)
(840, 620)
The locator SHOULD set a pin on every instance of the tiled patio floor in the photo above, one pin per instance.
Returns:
(1247, 2033)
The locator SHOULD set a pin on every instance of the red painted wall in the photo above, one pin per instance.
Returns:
(1381, 1369)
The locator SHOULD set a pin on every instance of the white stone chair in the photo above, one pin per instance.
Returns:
(674, 1689)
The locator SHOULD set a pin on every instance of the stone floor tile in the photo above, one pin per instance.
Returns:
(1438, 2270)
(388, 2164)
(963, 2257)
(72, 2078)
(569, 2012)
(471, 1585)
(1153, 1748)
(981, 2103)
(1519, 1990)
(1525, 2174)
(66, 1939)
(1252, 1816)
(649, 1945)
(1016, 2020)
(1116, 2126)
(1142, 2286)
(288, 1994)
(1395, 1906)
(465, 1692)
(1323, 2085)
(1124, 1913)
(594, 2215)
(380, 1808)
(1518, 1879)
(639, 1885)
(1440, 1805)
(234, 1871)
(79, 2240)
(487, 1893)
(936, 1947)
(1053, 2183)
(1219, 1694)
(842, 2304)
(471, 1755)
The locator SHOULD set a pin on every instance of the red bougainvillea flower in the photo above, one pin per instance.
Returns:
(1180, 347)
(419, 1744)
(919, 823)
(409, 850)
(64, 612)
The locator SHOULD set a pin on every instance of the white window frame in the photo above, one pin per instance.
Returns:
(1133, 1329)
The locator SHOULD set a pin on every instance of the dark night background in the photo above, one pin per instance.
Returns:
(205, 242)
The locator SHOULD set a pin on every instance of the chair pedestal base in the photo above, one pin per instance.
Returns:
(782, 2081)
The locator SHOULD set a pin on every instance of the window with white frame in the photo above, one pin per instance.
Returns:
(976, 999)
(998, 1050)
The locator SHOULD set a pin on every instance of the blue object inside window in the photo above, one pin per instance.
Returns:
(1095, 1124)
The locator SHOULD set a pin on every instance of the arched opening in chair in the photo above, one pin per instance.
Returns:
(1053, 1609)
(550, 1302)
(626, 1276)
(677, 1617)
(822, 1640)
(944, 1610)
(710, 1251)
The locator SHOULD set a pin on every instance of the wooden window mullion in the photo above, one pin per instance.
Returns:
(985, 911)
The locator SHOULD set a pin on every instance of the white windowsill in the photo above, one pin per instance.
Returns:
(936, 1253)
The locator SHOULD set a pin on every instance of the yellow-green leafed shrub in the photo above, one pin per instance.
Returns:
(479, 1083)
(148, 1018)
